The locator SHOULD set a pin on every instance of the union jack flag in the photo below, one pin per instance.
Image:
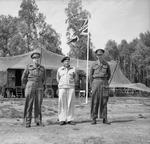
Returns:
(82, 31)
(84, 28)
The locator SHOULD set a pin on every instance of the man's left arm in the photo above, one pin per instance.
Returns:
(44, 77)
(108, 72)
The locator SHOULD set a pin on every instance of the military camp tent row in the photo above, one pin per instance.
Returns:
(11, 69)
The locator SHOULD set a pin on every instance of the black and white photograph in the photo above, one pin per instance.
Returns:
(74, 71)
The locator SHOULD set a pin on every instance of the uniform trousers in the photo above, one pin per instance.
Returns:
(99, 99)
(66, 104)
(34, 96)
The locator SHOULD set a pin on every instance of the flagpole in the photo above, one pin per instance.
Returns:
(77, 62)
(76, 38)
(87, 68)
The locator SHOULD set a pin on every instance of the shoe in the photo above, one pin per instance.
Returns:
(105, 121)
(93, 122)
(62, 122)
(28, 125)
(71, 123)
(39, 124)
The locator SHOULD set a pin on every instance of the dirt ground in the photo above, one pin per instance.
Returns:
(129, 117)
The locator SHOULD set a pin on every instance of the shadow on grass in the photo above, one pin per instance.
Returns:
(122, 121)
(51, 122)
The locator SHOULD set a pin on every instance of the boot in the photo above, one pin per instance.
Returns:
(105, 121)
(93, 122)
(62, 123)
(40, 124)
(28, 125)
(28, 122)
(71, 123)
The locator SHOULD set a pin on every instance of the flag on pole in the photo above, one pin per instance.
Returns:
(73, 39)
(82, 31)
(84, 28)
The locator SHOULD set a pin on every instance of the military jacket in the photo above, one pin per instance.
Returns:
(100, 70)
(66, 77)
(34, 74)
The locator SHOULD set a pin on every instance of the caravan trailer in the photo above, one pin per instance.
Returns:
(15, 89)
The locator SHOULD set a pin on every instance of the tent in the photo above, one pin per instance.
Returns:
(49, 60)
(120, 81)
(53, 61)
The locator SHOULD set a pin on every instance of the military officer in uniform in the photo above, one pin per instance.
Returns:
(99, 76)
(66, 77)
(33, 78)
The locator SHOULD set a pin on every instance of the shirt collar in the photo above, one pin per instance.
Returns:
(66, 68)
(35, 66)
(100, 63)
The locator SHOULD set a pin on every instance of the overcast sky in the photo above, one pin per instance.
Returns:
(111, 19)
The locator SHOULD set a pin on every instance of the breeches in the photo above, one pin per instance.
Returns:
(66, 104)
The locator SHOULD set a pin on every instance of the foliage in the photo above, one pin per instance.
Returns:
(9, 36)
(112, 50)
(38, 31)
(76, 16)
(26, 32)
(134, 57)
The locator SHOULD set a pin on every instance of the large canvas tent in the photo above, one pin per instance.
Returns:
(53, 61)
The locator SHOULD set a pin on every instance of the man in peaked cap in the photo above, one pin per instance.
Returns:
(33, 78)
(100, 51)
(66, 77)
(99, 76)
(65, 58)
(35, 53)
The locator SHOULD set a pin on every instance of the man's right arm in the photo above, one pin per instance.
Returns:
(24, 77)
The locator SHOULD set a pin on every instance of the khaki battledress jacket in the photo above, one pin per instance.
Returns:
(34, 78)
(99, 75)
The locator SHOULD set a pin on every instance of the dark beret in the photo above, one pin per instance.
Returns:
(101, 50)
(65, 58)
(36, 52)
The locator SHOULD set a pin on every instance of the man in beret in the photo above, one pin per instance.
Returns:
(66, 77)
(99, 76)
(33, 78)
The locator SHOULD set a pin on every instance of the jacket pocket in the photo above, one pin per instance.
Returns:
(104, 68)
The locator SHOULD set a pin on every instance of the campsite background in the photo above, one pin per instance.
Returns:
(30, 28)
(121, 27)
